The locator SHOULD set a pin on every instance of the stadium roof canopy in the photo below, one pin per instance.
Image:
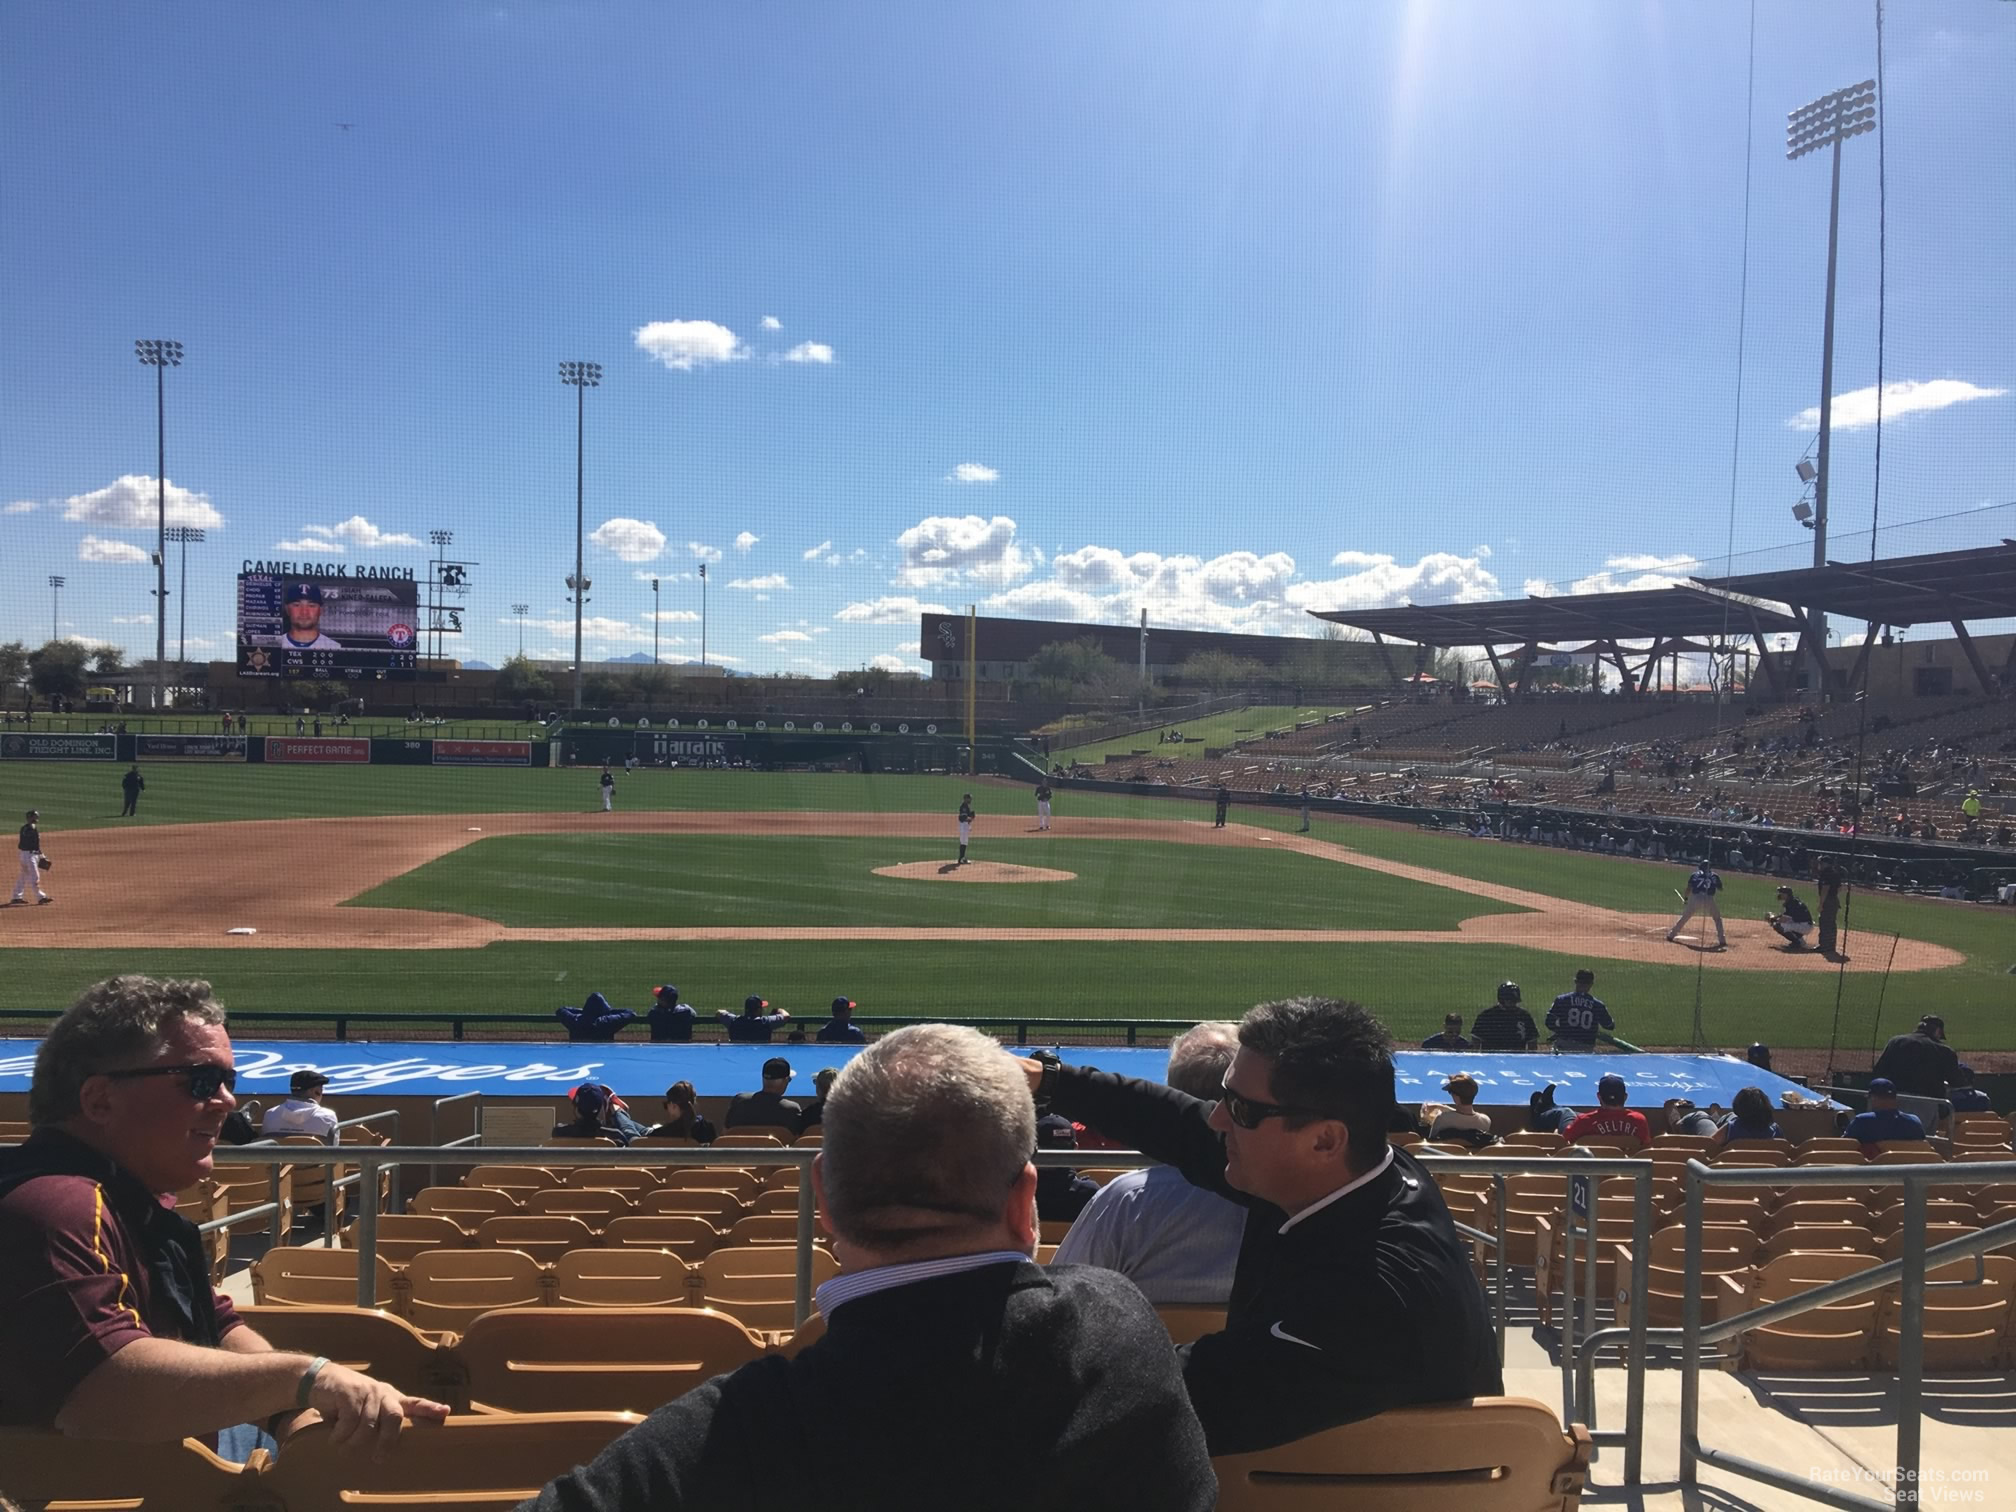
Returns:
(1947, 587)
(1661, 614)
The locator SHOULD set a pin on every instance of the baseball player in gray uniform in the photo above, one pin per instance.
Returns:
(965, 825)
(1702, 885)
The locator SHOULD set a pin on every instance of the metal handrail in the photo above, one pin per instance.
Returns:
(1908, 1271)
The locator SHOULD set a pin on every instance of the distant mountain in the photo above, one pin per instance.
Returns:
(475, 666)
(634, 656)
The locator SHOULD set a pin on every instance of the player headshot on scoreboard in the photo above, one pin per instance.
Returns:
(302, 605)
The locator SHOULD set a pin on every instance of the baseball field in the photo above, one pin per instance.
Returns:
(431, 890)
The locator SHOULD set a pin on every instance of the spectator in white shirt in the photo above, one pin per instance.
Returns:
(302, 1112)
(1178, 1243)
(1462, 1121)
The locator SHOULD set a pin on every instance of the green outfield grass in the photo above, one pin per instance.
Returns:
(1410, 985)
(644, 881)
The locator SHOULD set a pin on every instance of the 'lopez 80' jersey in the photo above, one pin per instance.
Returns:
(1578, 1015)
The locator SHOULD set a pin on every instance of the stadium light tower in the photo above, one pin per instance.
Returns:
(582, 376)
(1828, 122)
(703, 614)
(187, 535)
(160, 356)
(521, 610)
(440, 540)
(55, 602)
(654, 622)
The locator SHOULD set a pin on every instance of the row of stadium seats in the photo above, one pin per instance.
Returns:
(1509, 1455)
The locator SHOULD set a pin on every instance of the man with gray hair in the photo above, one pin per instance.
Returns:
(112, 1329)
(945, 1345)
(1175, 1241)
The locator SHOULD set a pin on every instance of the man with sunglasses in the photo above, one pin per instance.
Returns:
(112, 1329)
(1352, 1293)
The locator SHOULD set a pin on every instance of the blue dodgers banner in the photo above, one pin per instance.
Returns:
(643, 1070)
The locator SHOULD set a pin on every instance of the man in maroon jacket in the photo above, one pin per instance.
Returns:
(112, 1329)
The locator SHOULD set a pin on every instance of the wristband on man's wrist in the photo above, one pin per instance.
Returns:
(1046, 1084)
(306, 1384)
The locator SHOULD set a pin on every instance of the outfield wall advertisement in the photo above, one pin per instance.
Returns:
(299, 748)
(31, 747)
(515, 753)
(189, 747)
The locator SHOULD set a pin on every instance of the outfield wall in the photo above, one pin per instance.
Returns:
(324, 750)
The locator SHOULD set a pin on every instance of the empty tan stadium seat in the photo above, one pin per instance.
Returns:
(234, 1188)
(619, 1278)
(401, 1236)
(1848, 1238)
(780, 1199)
(1542, 1139)
(533, 1359)
(1835, 1336)
(43, 1466)
(593, 1206)
(1966, 1319)
(467, 1207)
(467, 1462)
(664, 1142)
(787, 1176)
(756, 1284)
(545, 1237)
(744, 1183)
(516, 1179)
(1727, 1253)
(1891, 1247)
(373, 1341)
(812, 1136)
(719, 1208)
(1493, 1454)
(1947, 1210)
(690, 1237)
(317, 1276)
(1906, 1152)
(1796, 1214)
(769, 1137)
(614, 1178)
(450, 1289)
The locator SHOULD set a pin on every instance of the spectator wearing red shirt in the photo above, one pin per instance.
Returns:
(1610, 1119)
(112, 1329)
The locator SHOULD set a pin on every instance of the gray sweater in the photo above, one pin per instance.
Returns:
(1007, 1387)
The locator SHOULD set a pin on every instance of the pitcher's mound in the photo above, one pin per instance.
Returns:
(973, 871)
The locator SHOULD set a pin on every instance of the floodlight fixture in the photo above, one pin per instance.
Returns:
(581, 376)
(160, 356)
(1807, 471)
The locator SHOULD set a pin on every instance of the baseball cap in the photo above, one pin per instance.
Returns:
(1056, 1132)
(1452, 1018)
(844, 1003)
(1464, 1086)
(588, 1098)
(1932, 1021)
(304, 593)
(1612, 1084)
(1882, 1087)
(776, 1069)
(755, 1003)
(668, 992)
(306, 1081)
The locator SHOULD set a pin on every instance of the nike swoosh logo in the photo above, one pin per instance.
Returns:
(1286, 1337)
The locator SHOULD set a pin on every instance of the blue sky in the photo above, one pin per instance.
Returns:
(1227, 310)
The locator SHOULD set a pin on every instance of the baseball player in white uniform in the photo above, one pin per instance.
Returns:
(608, 780)
(31, 870)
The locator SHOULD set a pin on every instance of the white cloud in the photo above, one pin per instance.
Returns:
(676, 616)
(810, 351)
(687, 344)
(945, 549)
(20, 506)
(91, 641)
(818, 551)
(311, 545)
(1857, 408)
(769, 583)
(887, 663)
(704, 553)
(745, 540)
(1631, 573)
(361, 532)
(1439, 577)
(908, 648)
(781, 637)
(132, 619)
(129, 503)
(973, 472)
(593, 628)
(888, 611)
(632, 540)
(772, 323)
(92, 549)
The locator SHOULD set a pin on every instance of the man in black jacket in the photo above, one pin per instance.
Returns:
(1921, 1063)
(1353, 1293)
(954, 1371)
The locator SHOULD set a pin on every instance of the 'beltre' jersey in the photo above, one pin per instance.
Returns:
(1578, 1015)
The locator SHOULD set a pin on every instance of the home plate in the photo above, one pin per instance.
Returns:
(242, 929)
(475, 829)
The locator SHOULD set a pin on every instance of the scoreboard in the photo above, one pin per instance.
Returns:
(320, 625)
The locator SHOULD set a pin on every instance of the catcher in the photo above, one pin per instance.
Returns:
(33, 864)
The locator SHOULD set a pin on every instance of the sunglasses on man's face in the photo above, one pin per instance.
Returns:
(1250, 1112)
(203, 1079)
